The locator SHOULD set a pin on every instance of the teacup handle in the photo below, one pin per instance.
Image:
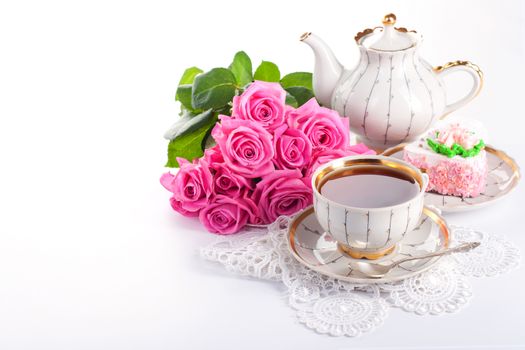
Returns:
(477, 82)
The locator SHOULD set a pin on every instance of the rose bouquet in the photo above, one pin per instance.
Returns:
(261, 165)
(204, 96)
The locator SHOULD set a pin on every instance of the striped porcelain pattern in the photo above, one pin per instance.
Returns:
(367, 230)
(390, 97)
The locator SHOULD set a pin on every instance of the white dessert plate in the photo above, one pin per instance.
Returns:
(503, 177)
(316, 249)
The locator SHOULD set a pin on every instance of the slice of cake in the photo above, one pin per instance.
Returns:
(454, 158)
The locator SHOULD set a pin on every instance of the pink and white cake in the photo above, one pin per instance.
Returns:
(454, 158)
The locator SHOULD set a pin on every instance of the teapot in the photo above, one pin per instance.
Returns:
(392, 95)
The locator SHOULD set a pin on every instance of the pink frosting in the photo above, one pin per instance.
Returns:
(452, 176)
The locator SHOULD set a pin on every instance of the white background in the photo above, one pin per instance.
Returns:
(91, 254)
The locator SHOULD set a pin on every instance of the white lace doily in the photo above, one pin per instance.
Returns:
(339, 308)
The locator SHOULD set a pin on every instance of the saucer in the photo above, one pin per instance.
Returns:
(313, 247)
(503, 177)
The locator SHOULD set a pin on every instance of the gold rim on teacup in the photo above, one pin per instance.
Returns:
(324, 173)
(356, 236)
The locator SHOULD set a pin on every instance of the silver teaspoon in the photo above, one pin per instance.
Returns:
(374, 270)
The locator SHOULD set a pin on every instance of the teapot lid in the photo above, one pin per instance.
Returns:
(387, 38)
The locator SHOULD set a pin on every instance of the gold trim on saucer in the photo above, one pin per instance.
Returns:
(438, 219)
(368, 255)
(297, 221)
(300, 218)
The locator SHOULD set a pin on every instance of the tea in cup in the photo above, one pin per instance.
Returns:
(368, 203)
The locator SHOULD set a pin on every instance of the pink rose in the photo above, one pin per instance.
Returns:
(225, 215)
(321, 157)
(192, 186)
(177, 206)
(247, 147)
(293, 150)
(324, 127)
(261, 102)
(213, 155)
(224, 179)
(227, 182)
(282, 192)
(255, 218)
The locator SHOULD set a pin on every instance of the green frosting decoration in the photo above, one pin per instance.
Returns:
(456, 149)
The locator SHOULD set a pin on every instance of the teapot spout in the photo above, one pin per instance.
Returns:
(327, 69)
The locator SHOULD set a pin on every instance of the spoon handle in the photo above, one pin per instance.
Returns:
(464, 247)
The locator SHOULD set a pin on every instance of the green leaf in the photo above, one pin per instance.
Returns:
(190, 144)
(183, 94)
(303, 79)
(189, 75)
(267, 71)
(189, 123)
(213, 89)
(301, 94)
(291, 101)
(241, 68)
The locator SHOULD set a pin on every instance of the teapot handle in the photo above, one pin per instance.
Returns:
(477, 82)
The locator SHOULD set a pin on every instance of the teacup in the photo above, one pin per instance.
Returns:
(373, 229)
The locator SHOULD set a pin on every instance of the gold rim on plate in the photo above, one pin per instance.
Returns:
(513, 179)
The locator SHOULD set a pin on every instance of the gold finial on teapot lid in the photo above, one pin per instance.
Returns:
(389, 20)
(387, 38)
